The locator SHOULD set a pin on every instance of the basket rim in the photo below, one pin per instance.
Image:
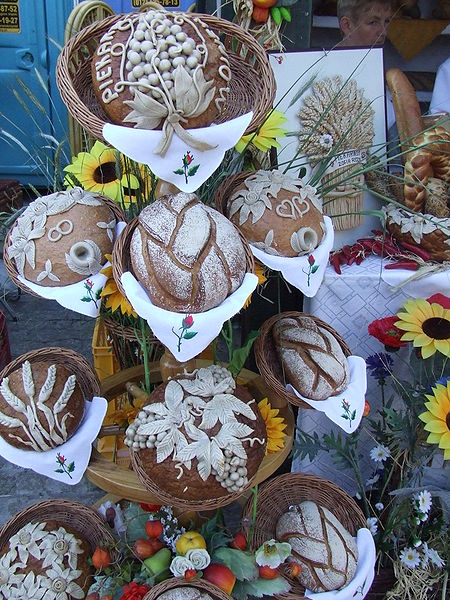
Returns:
(10, 264)
(264, 344)
(177, 582)
(94, 124)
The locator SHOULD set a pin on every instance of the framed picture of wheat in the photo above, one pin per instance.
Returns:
(335, 105)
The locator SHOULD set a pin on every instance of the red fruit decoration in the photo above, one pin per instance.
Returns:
(221, 576)
(145, 548)
(134, 591)
(259, 14)
(150, 507)
(239, 541)
(294, 569)
(101, 558)
(153, 529)
(266, 572)
(190, 574)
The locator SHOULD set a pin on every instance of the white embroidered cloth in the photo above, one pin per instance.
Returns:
(186, 335)
(424, 287)
(182, 165)
(73, 454)
(303, 272)
(82, 297)
(345, 409)
(359, 586)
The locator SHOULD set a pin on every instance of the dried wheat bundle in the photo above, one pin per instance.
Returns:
(335, 117)
(267, 34)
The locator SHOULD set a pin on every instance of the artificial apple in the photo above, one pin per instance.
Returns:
(145, 548)
(158, 564)
(266, 572)
(221, 576)
(239, 541)
(153, 528)
(191, 540)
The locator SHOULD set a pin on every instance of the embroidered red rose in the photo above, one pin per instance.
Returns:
(134, 591)
(188, 321)
(386, 332)
(311, 259)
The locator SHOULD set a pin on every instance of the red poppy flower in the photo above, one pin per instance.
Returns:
(386, 332)
(134, 591)
(440, 299)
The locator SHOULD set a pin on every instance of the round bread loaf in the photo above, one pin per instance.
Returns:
(45, 560)
(201, 437)
(312, 358)
(62, 238)
(326, 551)
(41, 406)
(187, 255)
(184, 593)
(153, 66)
(278, 214)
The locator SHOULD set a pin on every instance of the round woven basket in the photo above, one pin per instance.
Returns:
(179, 582)
(268, 361)
(121, 259)
(10, 264)
(72, 361)
(226, 190)
(252, 86)
(78, 517)
(278, 494)
(126, 346)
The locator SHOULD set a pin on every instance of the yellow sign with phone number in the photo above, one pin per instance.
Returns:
(9, 16)
(165, 3)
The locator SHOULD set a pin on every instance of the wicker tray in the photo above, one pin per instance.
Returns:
(10, 264)
(121, 259)
(252, 82)
(74, 362)
(179, 582)
(268, 362)
(80, 518)
(277, 495)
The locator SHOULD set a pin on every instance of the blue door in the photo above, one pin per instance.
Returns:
(32, 117)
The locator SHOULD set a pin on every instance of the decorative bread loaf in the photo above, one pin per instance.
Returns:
(45, 560)
(326, 551)
(184, 593)
(159, 69)
(62, 238)
(201, 436)
(41, 406)
(312, 357)
(188, 256)
(278, 214)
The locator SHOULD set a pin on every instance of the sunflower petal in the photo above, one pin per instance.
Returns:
(436, 427)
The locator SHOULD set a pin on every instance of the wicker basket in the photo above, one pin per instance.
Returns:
(345, 203)
(72, 361)
(121, 259)
(10, 264)
(11, 197)
(126, 347)
(278, 494)
(268, 362)
(252, 81)
(226, 189)
(78, 517)
(179, 582)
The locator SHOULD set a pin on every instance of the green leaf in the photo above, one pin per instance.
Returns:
(193, 170)
(135, 519)
(264, 587)
(85, 299)
(239, 356)
(179, 172)
(59, 470)
(71, 467)
(98, 294)
(241, 563)
(189, 335)
(353, 415)
(314, 268)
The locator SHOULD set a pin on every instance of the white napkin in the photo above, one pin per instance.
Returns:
(359, 586)
(76, 450)
(417, 288)
(167, 325)
(345, 409)
(82, 297)
(139, 145)
(300, 270)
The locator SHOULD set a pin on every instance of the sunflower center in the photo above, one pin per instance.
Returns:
(105, 173)
(437, 328)
(447, 420)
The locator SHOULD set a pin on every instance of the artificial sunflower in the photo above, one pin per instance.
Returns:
(427, 326)
(275, 426)
(265, 137)
(260, 274)
(437, 417)
(102, 170)
(111, 294)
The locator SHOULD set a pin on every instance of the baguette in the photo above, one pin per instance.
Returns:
(406, 108)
